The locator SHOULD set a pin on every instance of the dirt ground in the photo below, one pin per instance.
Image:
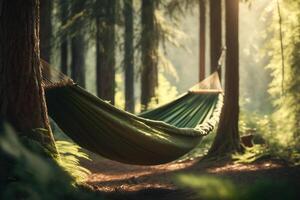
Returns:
(122, 181)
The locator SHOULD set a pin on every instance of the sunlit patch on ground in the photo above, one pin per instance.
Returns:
(111, 176)
(232, 167)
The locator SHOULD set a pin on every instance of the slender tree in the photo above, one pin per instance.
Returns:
(227, 138)
(22, 101)
(149, 42)
(46, 28)
(202, 45)
(105, 49)
(294, 88)
(64, 7)
(78, 46)
(215, 33)
(129, 56)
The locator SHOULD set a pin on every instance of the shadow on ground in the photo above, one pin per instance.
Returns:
(132, 182)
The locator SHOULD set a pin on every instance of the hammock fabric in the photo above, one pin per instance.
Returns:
(158, 136)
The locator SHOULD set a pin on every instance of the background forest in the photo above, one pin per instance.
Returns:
(261, 73)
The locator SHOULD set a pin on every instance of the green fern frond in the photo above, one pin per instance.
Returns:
(70, 155)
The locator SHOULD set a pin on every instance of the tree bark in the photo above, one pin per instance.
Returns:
(77, 63)
(46, 29)
(129, 56)
(202, 43)
(78, 47)
(150, 42)
(215, 34)
(22, 101)
(227, 138)
(64, 38)
(105, 51)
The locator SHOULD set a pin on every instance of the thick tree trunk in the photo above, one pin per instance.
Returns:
(215, 34)
(227, 138)
(202, 45)
(22, 101)
(105, 51)
(64, 38)
(46, 29)
(129, 57)
(78, 48)
(149, 75)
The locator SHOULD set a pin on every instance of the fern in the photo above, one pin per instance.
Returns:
(70, 155)
(252, 154)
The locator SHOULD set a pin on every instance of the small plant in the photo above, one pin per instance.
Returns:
(269, 140)
(70, 154)
(252, 154)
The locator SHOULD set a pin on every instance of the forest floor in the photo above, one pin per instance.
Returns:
(132, 182)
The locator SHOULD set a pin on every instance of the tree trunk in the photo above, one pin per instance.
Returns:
(22, 101)
(215, 34)
(149, 74)
(46, 29)
(227, 138)
(129, 57)
(105, 51)
(64, 38)
(202, 45)
(77, 63)
(78, 48)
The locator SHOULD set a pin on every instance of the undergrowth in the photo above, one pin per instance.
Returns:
(268, 141)
(29, 172)
(70, 155)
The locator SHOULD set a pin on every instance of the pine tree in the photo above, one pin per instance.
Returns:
(105, 49)
(202, 46)
(227, 139)
(22, 101)
(215, 33)
(149, 42)
(64, 42)
(46, 29)
(129, 56)
(78, 46)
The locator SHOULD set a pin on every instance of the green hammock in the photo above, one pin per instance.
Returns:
(154, 137)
